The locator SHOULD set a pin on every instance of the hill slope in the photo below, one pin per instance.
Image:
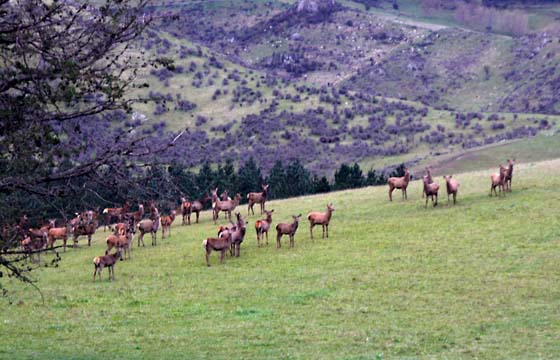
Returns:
(393, 280)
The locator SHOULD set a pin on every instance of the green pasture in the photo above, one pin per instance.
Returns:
(394, 280)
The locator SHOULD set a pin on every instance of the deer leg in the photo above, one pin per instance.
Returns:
(390, 193)
(278, 245)
(454, 198)
(197, 213)
(311, 230)
(327, 228)
(208, 257)
(223, 256)
(267, 237)
(436, 201)
(291, 240)
(405, 194)
(323, 228)
(64, 240)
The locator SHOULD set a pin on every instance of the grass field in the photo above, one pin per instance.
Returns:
(394, 280)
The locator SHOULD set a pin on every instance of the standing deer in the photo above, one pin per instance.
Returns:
(257, 198)
(197, 207)
(428, 178)
(287, 229)
(149, 226)
(115, 213)
(62, 233)
(226, 206)
(166, 222)
(109, 261)
(399, 183)
(430, 190)
(262, 227)
(509, 175)
(498, 180)
(222, 243)
(320, 218)
(238, 235)
(452, 188)
(186, 208)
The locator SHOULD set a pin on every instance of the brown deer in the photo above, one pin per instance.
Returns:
(166, 222)
(238, 235)
(122, 242)
(61, 233)
(399, 183)
(186, 209)
(262, 227)
(222, 243)
(84, 227)
(287, 229)
(428, 178)
(498, 180)
(320, 218)
(40, 234)
(115, 213)
(108, 261)
(34, 245)
(197, 207)
(257, 198)
(226, 206)
(430, 190)
(509, 175)
(149, 226)
(452, 188)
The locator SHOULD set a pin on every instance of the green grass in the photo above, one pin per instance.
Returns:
(394, 280)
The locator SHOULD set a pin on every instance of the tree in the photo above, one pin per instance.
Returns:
(347, 177)
(249, 178)
(298, 180)
(277, 181)
(66, 68)
(321, 185)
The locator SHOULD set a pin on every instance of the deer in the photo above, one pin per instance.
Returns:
(509, 175)
(186, 209)
(452, 188)
(238, 235)
(399, 183)
(166, 222)
(85, 225)
(262, 226)
(498, 180)
(149, 226)
(197, 206)
(121, 242)
(287, 229)
(31, 245)
(222, 243)
(428, 177)
(257, 198)
(109, 261)
(61, 233)
(112, 213)
(226, 206)
(320, 218)
(40, 234)
(430, 190)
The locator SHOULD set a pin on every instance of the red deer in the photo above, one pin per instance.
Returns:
(287, 229)
(61, 233)
(109, 261)
(430, 190)
(31, 245)
(40, 234)
(197, 206)
(399, 183)
(428, 178)
(149, 226)
(84, 227)
(498, 180)
(166, 222)
(186, 209)
(320, 218)
(122, 242)
(452, 188)
(115, 213)
(222, 243)
(262, 227)
(238, 235)
(226, 206)
(509, 175)
(257, 198)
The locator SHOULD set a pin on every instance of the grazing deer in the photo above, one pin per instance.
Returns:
(430, 190)
(222, 243)
(498, 180)
(262, 227)
(115, 213)
(61, 233)
(149, 226)
(509, 175)
(320, 218)
(287, 229)
(452, 188)
(108, 261)
(399, 183)
(226, 206)
(238, 235)
(257, 198)
(166, 222)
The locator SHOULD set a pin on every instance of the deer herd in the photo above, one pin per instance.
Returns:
(125, 223)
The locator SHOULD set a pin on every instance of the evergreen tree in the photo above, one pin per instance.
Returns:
(226, 177)
(206, 178)
(249, 178)
(374, 179)
(277, 181)
(299, 180)
(347, 177)
(321, 185)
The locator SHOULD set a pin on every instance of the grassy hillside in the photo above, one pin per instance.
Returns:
(394, 280)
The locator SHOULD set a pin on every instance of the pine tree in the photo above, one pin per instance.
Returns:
(298, 179)
(321, 185)
(277, 181)
(249, 178)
